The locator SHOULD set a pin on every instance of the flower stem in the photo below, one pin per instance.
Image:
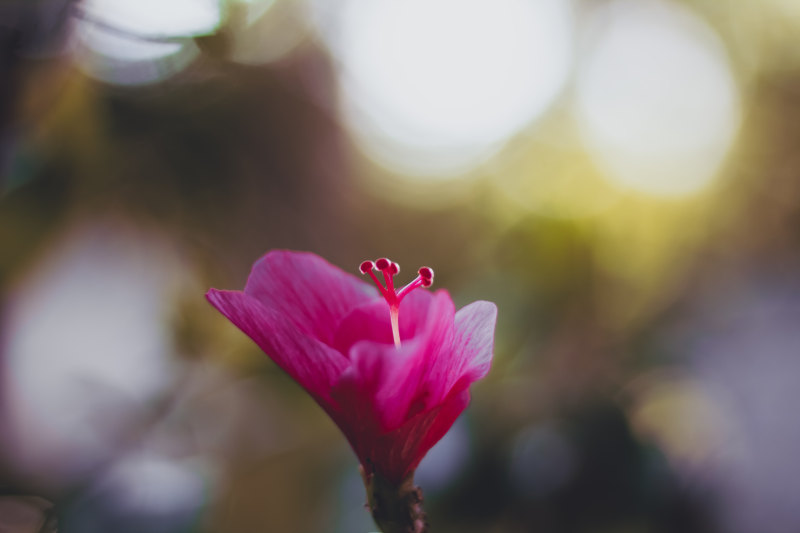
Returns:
(395, 508)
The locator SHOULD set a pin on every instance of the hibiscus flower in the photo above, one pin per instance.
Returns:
(392, 368)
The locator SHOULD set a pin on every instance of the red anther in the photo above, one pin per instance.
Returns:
(382, 264)
(366, 266)
(426, 273)
(394, 269)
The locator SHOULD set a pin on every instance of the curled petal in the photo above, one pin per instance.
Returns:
(310, 292)
(314, 365)
(474, 339)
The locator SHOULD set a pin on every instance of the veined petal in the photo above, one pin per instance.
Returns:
(331, 332)
(310, 292)
(426, 370)
(359, 387)
(399, 452)
(385, 385)
(474, 339)
(314, 365)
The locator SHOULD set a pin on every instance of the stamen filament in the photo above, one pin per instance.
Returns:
(418, 282)
(384, 292)
(394, 315)
(389, 281)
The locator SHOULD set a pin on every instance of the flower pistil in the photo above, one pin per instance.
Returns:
(393, 297)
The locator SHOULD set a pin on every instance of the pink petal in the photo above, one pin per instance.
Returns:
(427, 370)
(371, 322)
(310, 292)
(384, 385)
(474, 339)
(356, 417)
(399, 453)
(314, 365)
(361, 390)
(415, 310)
(367, 322)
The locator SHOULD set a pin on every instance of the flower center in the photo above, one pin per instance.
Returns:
(393, 297)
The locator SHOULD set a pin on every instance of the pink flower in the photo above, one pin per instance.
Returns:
(393, 382)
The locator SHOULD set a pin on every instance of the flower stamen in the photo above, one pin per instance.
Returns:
(366, 268)
(393, 297)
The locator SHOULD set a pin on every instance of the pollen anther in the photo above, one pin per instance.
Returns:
(366, 266)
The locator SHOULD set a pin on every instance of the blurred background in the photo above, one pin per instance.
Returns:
(622, 177)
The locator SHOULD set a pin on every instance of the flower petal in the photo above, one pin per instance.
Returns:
(385, 385)
(371, 322)
(399, 453)
(367, 322)
(474, 339)
(427, 371)
(314, 365)
(310, 292)
(361, 391)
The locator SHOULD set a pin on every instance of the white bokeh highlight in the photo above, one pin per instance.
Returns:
(434, 87)
(157, 18)
(141, 42)
(87, 348)
(656, 100)
(268, 30)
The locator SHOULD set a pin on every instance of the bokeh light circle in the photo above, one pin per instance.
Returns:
(88, 346)
(142, 42)
(267, 30)
(656, 100)
(432, 87)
